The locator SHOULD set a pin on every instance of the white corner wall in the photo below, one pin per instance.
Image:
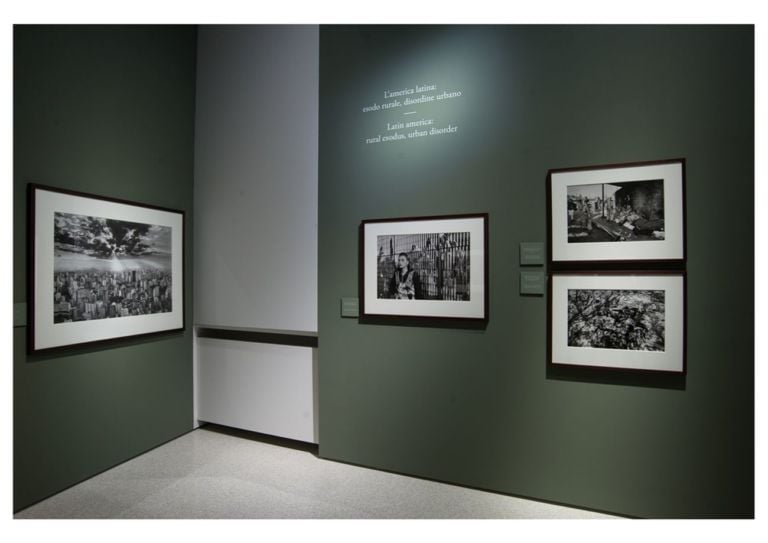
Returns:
(256, 162)
(255, 224)
(257, 386)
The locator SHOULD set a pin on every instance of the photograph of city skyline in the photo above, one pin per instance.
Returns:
(107, 268)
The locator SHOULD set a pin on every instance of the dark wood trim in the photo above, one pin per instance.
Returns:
(615, 265)
(685, 214)
(486, 265)
(31, 211)
(549, 362)
(377, 318)
(427, 218)
(255, 336)
(656, 264)
(685, 322)
(361, 270)
(617, 165)
(548, 212)
(626, 273)
(35, 186)
(183, 268)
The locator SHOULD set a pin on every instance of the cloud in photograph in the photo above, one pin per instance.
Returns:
(109, 238)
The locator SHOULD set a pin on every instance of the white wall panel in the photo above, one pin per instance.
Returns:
(256, 163)
(256, 386)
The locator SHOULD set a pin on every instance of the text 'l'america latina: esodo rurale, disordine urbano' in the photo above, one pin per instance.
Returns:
(411, 114)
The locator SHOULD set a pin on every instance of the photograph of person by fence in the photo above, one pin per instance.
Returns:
(432, 266)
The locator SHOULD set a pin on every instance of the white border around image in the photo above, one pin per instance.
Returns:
(673, 356)
(49, 335)
(474, 308)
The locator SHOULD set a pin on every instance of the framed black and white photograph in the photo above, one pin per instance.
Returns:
(434, 267)
(617, 213)
(633, 321)
(102, 269)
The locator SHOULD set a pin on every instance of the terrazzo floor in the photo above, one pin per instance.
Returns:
(220, 473)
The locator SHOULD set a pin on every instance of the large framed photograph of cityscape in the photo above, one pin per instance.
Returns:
(620, 320)
(617, 213)
(431, 267)
(101, 269)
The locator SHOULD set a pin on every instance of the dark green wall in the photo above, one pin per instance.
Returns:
(478, 406)
(108, 111)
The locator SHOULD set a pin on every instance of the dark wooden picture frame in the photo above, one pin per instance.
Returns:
(602, 357)
(147, 246)
(442, 252)
(670, 252)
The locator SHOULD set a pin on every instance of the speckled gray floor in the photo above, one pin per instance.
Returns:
(217, 473)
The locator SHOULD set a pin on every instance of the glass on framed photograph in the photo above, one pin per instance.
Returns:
(102, 269)
(617, 213)
(432, 267)
(620, 320)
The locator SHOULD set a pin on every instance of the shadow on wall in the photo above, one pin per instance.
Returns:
(104, 346)
(612, 376)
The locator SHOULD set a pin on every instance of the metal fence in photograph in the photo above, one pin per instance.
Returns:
(441, 260)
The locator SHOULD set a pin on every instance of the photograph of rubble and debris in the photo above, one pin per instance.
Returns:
(626, 211)
(616, 319)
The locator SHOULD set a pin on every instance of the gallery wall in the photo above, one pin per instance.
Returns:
(476, 405)
(108, 111)
(256, 177)
(256, 225)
